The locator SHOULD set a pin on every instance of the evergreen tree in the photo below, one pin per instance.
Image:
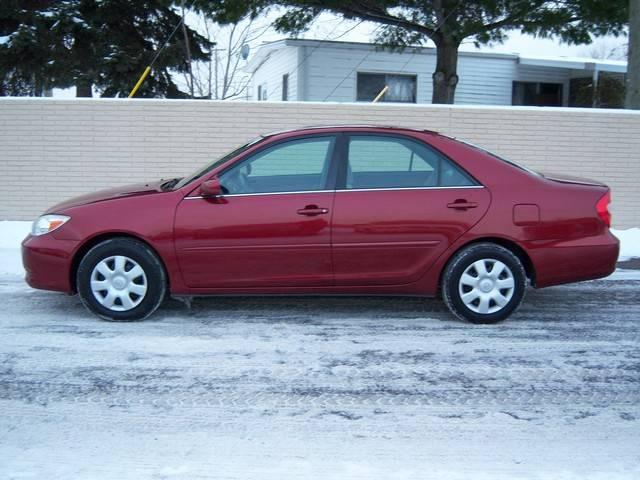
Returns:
(24, 63)
(101, 45)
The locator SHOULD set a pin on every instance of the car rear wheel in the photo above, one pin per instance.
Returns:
(121, 279)
(484, 283)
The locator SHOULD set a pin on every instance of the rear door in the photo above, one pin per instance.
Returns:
(399, 205)
(271, 228)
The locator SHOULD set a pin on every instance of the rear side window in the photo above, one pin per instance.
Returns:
(394, 162)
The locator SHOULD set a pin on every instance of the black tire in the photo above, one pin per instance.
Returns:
(462, 262)
(155, 279)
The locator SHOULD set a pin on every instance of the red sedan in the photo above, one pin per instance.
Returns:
(332, 210)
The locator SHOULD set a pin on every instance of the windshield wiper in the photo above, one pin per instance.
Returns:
(169, 184)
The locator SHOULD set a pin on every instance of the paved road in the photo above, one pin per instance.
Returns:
(322, 388)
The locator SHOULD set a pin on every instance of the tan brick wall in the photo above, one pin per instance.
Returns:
(53, 149)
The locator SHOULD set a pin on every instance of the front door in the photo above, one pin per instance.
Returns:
(401, 204)
(271, 228)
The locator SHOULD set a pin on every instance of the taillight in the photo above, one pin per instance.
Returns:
(602, 207)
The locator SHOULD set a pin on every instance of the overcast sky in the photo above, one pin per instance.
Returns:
(329, 27)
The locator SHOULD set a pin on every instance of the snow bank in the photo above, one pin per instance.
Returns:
(629, 242)
(12, 233)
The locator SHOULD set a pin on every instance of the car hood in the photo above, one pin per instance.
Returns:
(137, 189)
(556, 177)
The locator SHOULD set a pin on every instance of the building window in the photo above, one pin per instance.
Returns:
(285, 87)
(537, 94)
(262, 92)
(402, 88)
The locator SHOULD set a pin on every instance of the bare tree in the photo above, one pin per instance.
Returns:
(602, 89)
(607, 50)
(222, 77)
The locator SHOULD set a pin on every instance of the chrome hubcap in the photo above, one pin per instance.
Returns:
(118, 283)
(486, 286)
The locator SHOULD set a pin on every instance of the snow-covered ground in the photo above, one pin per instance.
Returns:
(629, 243)
(325, 388)
(11, 235)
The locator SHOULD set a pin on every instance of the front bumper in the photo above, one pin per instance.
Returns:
(47, 262)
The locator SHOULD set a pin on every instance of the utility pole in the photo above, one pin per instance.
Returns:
(215, 74)
(633, 64)
(188, 48)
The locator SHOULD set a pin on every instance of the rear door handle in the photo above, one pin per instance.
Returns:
(312, 210)
(462, 204)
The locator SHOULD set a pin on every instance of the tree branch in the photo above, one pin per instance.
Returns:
(373, 13)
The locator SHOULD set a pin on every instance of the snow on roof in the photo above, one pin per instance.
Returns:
(573, 63)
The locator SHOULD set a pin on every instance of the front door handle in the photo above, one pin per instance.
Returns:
(462, 204)
(312, 210)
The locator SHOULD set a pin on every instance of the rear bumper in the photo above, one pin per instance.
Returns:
(47, 262)
(559, 262)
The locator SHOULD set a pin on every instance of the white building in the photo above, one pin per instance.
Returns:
(316, 70)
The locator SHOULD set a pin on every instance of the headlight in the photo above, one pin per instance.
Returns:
(48, 223)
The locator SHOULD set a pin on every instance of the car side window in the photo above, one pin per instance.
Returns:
(294, 166)
(393, 162)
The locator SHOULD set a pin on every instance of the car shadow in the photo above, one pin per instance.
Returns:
(300, 309)
(304, 308)
(547, 305)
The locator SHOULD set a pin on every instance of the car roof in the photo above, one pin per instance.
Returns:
(348, 127)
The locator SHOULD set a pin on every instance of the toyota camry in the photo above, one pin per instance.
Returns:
(347, 210)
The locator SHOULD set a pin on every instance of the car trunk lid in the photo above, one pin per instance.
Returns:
(556, 177)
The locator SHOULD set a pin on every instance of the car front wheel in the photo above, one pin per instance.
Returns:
(121, 279)
(484, 283)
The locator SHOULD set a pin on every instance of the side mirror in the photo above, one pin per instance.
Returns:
(211, 188)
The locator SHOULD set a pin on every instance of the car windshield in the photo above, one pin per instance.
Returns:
(203, 171)
(502, 159)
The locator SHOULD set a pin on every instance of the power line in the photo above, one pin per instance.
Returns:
(320, 43)
(164, 45)
(448, 15)
(407, 62)
(348, 74)
(147, 70)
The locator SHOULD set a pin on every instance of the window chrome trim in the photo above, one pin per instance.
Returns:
(387, 189)
(336, 191)
(260, 194)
